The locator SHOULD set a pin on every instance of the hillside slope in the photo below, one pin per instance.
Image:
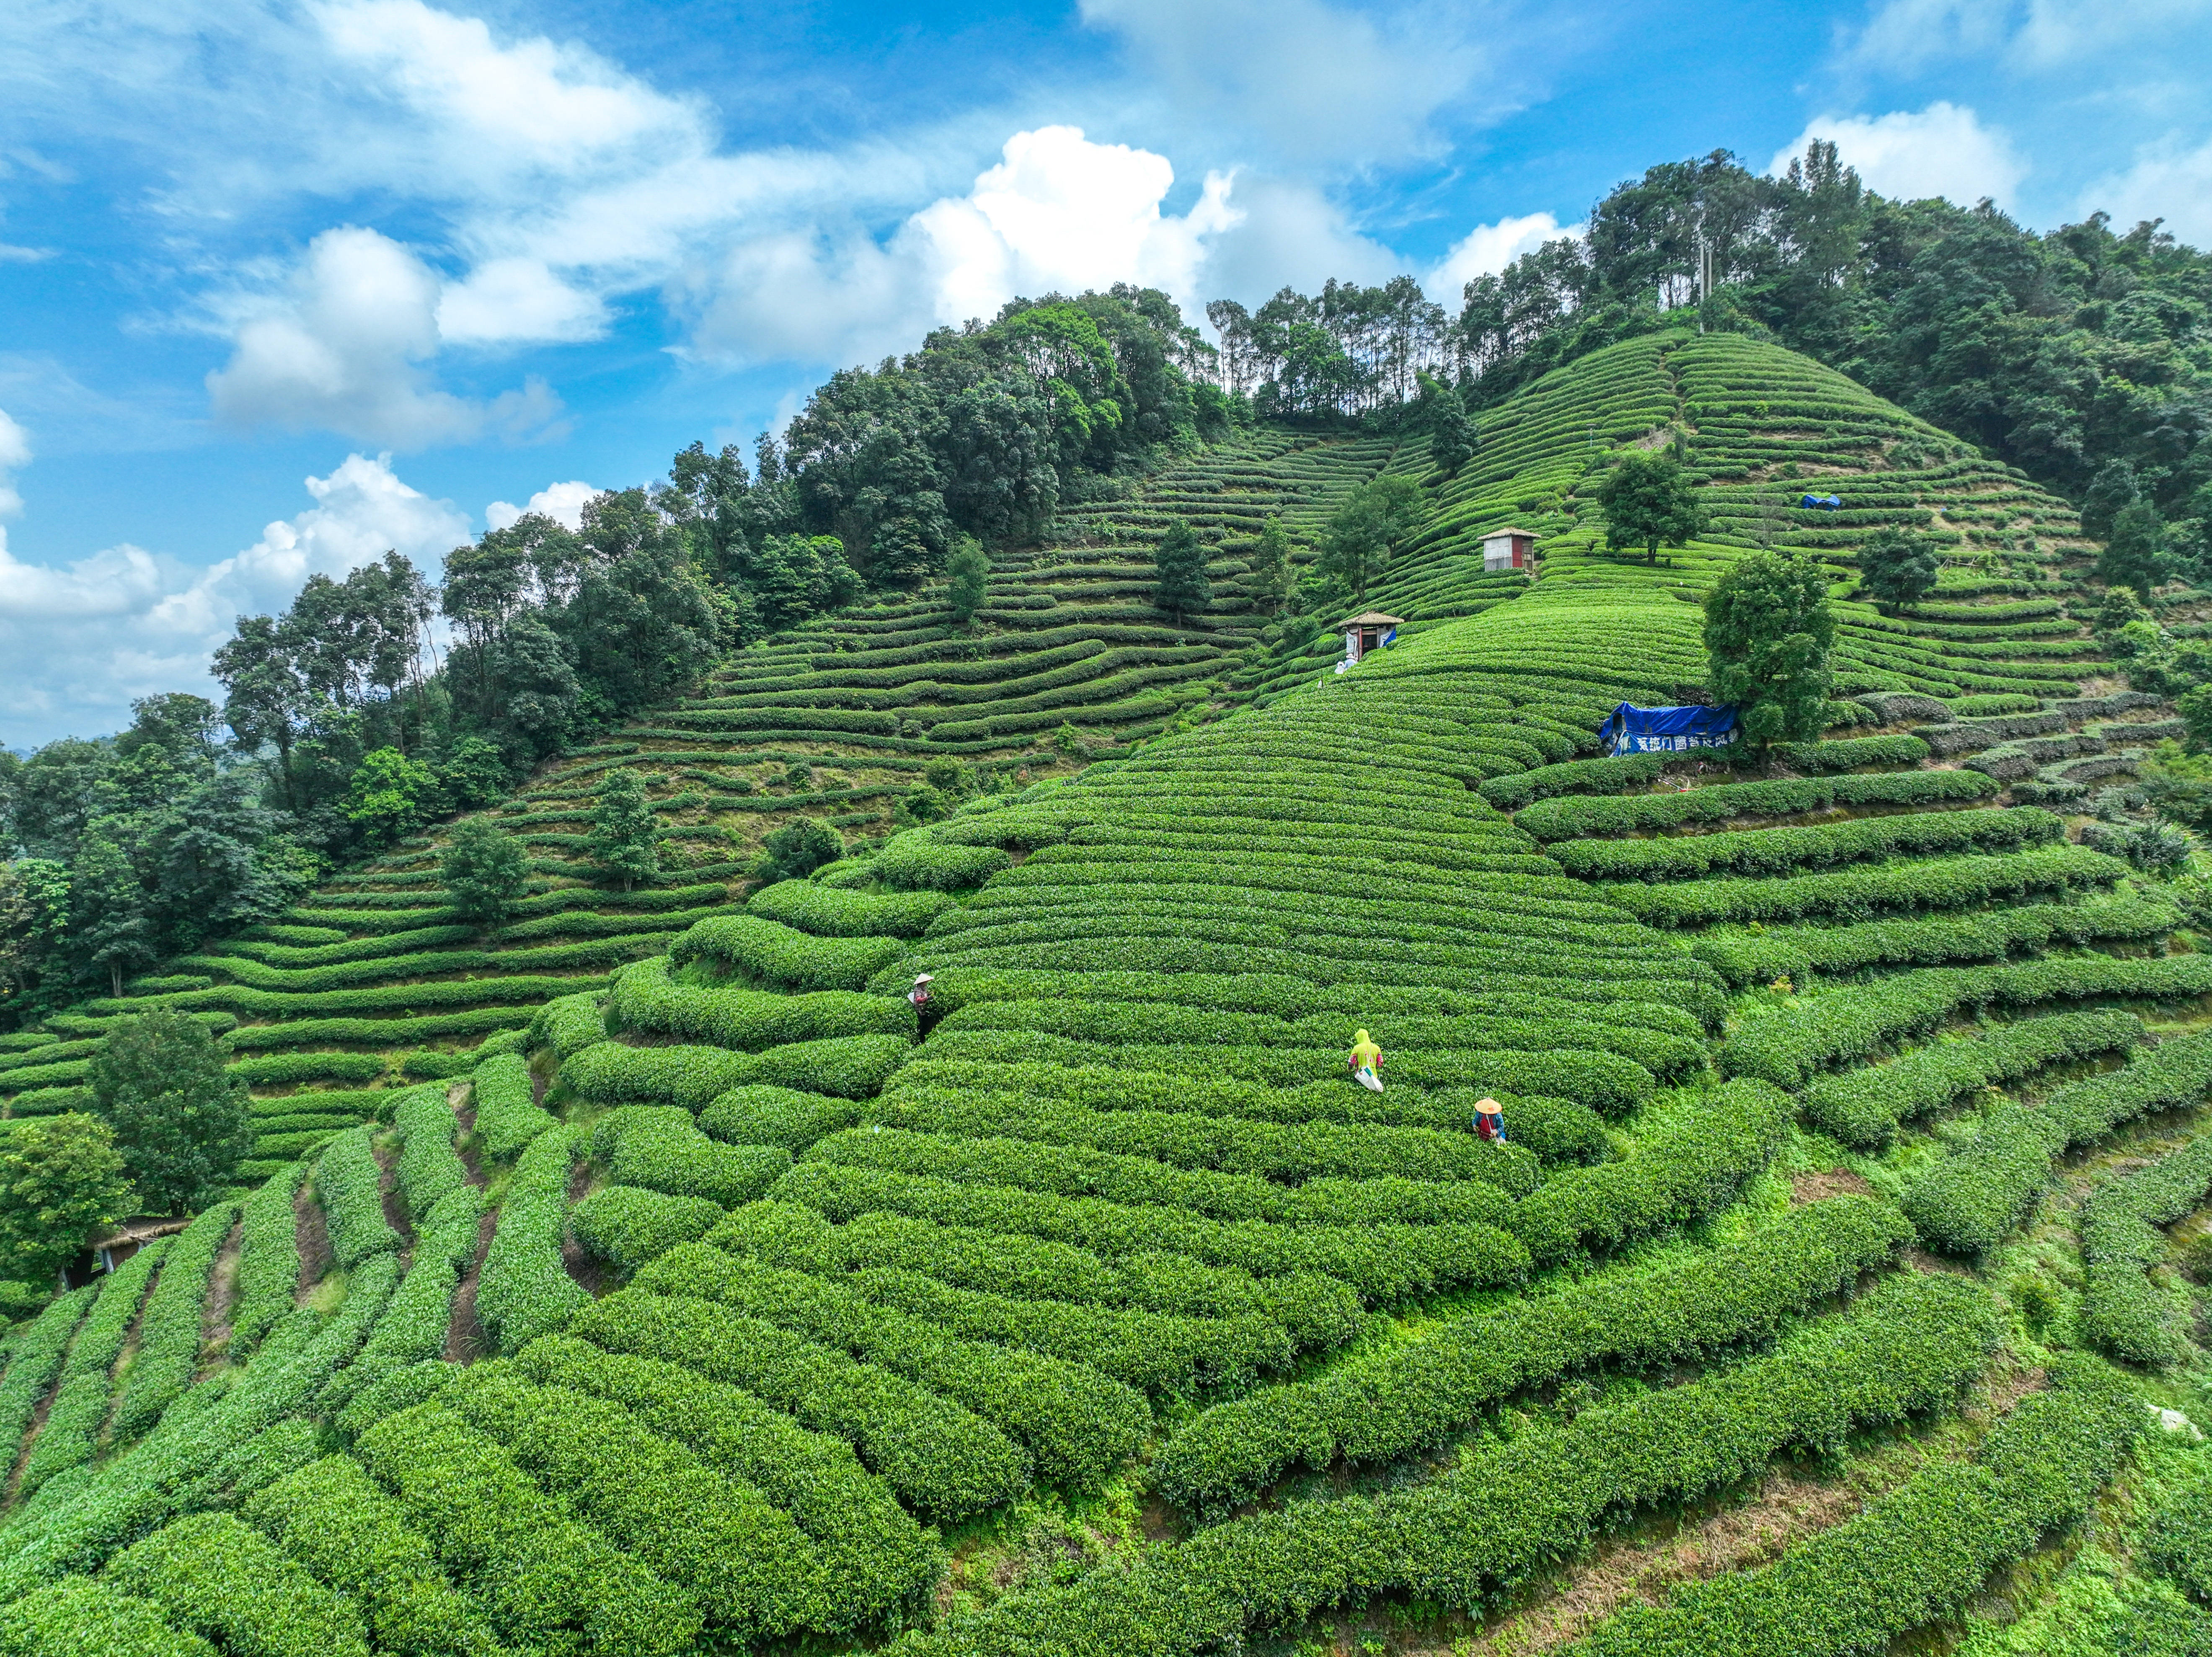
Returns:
(721, 1299)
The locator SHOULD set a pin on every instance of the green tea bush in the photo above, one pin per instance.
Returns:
(1950, 882)
(1079, 1426)
(1779, 851)
(660, 1148)
(268, 1257)
(525, 1288)
(783, 1117)
(878, 1565)
(79, 1407)
(1795, 952)
(36, 1360)
(646, 998)
(1852, 752)
(506, 1113)
(1788, 1044)
(85, 1617)
(825, 911)
(1968, 1201)
(1562, 818)
(943, 1460)
(627, 1225)
(1616, 775)
(169, 1334)
(1864, 1107)
(414, 1327)
(229, 1583)
(1420, 1392)
(2180, 1542)
(783, 957)
(744, 1562)
(568, 1024)
(918, 860)
(331, 1517)
(544, 1576)
(349, 1180)
(2122, 1313)
(430, 1167)
(1916, 1554)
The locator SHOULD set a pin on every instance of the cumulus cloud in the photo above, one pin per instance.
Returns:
(14, 455)
(1290, 234)
(1910, 36)
(1489, 248)
(1058, 212)
(81, 639)
(340, 345)
(562, 502)
(2167, 181)
(1941, 150)
(1314, 80)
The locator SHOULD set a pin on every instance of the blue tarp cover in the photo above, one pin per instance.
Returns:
(1633, 729)
(1820, 503)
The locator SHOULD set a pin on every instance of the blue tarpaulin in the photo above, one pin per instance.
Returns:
(1820, 503)
(1633, 729)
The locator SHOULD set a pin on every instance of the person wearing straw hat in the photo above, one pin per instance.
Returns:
(920, 993)
(1365, 1058)
(1490, 1121)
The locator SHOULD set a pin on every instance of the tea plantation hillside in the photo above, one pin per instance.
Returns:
(656, 1277)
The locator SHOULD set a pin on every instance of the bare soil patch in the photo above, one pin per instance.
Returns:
(395, 1204)
(311, 1235)
(1815, 1185)
(221, 1302)
(589, 1273)
(465, 1338)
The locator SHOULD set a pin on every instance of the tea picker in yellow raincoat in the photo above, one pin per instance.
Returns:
(1365, 1059)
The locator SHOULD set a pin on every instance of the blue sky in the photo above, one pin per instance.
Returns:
(285, 282)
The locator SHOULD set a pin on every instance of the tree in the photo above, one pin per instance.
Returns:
(970, 584)
(1767, 633)
(390, 795)
(1270, 561)
(1452, 435)
(622, 841)
(1650, 502)
(182, 1126)
(2196, 710)
(474, 773)
(1181, 587)
(1896, 569)
(484, 870)
(61, 1181)
(2109, 493)
(2135, 556)
(1365, 530)
(796, 850)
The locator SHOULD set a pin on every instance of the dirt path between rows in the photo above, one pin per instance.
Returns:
(311, 1237)
(589, 1273)
(466, 1340)
(221, 1303)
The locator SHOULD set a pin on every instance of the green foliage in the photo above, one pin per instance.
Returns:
(181, 1124)
(771, 953)
(1782, 851)
(1767, 634)
(1180, 585)
(1558, 819)
(648, 998)
(628, 1225)
(797, 849)
(506, 1113)
(1897, 569)
(348, 1182)
(623, 845)
(2135, 557)
(61, 1180)
(484, 870)
(85, 1617)
(1650, 502)
(169, 1334)
(659, 1148)
(2121, 1312)
(1366, 530)
(268, 1258)
(1270, 561)
(390, 795)
(79, 1407)
(226, 1582)
(919, 860)
(525, 1289)
(826, 912)
(968, 586)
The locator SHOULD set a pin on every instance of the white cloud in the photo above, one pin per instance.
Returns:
(1312, 81)
(14, 455)
(514, 301)
(1291, 234)
(1489, 248)
(1058, 212)
(2166, 181)
(82, 640)
(1908, 155)
(562, 502)
(339, 346)
(1910, 36)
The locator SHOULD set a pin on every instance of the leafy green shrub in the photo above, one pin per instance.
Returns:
(715, 1538)
(878, 1565)
(1966, 1203)
(918, 860)
(414, 1327)
(331, 1517)
(268, 1257)
(783, 957)
(2121, 1312)
(525, 1288)
(37, 1359)
(1078, 1425)
(430, 1167)
(224, 1581)
(349, 1180)
(568, 1024)
(660, 1148)
(1775, 851)
(1420, 1392)
(1864, 1106)
(508, 1117)
(1794, 952)
(1852, 752)
(1915, 1555)
(79, 1407)
(1616, 775)
(84, 1617)
(648, 998)
(543, 1577)
(826, 912)
(944, 1461)
(627, 1225)
(169, 1334)
(1582, 814)
(784, 1117)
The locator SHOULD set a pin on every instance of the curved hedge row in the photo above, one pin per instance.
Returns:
(525, 1289)
(660, 1148)
(1563, 818)
(1954, 883)
(853, 1067)
(1418, 1393)
(169, 1334)
(1864, 1107)
(646, 998)
(782, 955)
(1787, 1045)
(506, 1113)
(1779, 851)
(825, 911)
(2121, 1312)
(1793, 952)
(349, 1180)
(1967, 1202)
